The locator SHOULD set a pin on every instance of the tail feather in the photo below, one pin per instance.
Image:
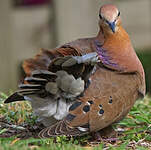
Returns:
(40, 62)
(44, 74)
(33, 80)
(14, 97)
(20, 95)
(44, 132)
(25, 92)
(30, 86)
(59, 129)
(33, 86)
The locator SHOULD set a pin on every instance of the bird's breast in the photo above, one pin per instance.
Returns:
(113, 95)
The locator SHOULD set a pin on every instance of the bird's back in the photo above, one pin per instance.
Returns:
(84, 44)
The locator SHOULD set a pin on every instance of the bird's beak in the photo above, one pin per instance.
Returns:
(112, 25)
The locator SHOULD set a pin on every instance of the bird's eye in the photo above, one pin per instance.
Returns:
(100, 16)
(119, 14)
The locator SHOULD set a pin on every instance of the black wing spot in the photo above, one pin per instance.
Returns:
(101, 112)
(86, 108)
(75, 105)
(90, 102)
(70, 117)
(100, 106)
(110, 100)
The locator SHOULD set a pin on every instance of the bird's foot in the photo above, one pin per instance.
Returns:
(95, 140)
(107, 134)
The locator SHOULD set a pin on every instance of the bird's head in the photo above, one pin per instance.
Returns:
(109, 18)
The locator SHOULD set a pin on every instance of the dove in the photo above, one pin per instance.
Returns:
(85, 85)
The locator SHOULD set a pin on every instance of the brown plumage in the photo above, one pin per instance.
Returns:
(100, 80)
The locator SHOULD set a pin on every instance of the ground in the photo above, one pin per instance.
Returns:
(19, 128)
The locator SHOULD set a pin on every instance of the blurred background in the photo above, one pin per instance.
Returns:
(28, 25)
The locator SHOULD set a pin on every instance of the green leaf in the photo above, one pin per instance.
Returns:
(3, 130)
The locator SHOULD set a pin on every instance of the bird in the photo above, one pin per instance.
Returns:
(86, 85)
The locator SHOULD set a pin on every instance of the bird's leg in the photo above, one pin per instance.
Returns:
(95, 140)
(106, 134)
(96, 136)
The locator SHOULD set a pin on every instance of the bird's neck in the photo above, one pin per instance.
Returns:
(118, 48)
(118, 43)
(105, 35)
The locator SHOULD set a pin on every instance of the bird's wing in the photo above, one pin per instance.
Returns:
(108, 98)
(44, 76)
(76, 123)
(42, 60)
(95, 110)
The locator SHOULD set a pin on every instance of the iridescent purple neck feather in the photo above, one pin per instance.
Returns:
(105, 58)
